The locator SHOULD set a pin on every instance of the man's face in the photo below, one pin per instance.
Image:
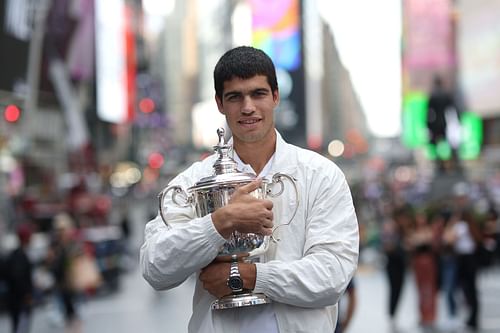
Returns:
(248, 105)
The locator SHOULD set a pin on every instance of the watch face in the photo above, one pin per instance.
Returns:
(235, 283)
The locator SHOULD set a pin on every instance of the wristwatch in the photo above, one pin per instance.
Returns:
(235, 282)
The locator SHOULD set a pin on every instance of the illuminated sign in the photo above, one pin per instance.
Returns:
(115, 61)
(276, 31)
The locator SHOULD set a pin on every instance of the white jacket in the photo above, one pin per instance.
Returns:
(305, 273)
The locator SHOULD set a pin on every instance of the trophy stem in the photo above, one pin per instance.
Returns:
(240, 300)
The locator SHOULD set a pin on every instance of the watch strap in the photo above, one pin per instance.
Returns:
(234, 273)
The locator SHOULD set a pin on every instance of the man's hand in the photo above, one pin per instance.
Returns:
(245, 213)
(214, 277)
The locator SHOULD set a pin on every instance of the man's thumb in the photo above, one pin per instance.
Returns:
(252, 186)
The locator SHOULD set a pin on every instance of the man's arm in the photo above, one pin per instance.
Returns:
(171, 254)
(330, 252)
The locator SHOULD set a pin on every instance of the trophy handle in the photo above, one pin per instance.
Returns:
(278, 179)
(177, 191)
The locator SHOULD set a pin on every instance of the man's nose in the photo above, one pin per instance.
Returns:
(248, 106)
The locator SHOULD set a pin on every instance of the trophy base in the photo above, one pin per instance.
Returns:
(240, 300)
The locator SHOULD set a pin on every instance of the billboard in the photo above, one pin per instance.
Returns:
(115, 61)
(428, 42)
(478, 53)
(277, 30)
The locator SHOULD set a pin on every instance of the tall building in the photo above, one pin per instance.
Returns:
(343, 112)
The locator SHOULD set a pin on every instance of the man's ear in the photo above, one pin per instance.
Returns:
(276, 97)
(219, 104)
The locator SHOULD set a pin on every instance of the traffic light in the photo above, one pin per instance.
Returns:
(12, 113)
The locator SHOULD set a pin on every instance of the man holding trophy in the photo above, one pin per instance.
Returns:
(269, 257)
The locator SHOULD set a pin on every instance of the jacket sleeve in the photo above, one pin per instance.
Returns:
(170, 254)
(330, 252)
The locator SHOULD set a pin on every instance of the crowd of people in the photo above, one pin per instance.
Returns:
(18, 272)
(443, 244)
(70, 267)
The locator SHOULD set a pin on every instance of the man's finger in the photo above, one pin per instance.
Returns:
(252, 186)
(268, 223)
(267, 231)
(268, 204)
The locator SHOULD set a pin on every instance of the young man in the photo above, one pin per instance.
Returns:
(306, 272)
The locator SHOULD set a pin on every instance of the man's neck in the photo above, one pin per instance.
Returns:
(257, 155)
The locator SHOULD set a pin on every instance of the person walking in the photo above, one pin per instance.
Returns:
(308, 270)
(422, 244)
(18, 271)
(467, 236)
(64, 247)
(448, 264)
(394, 243)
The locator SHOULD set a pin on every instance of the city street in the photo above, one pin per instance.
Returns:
(370, 125)
(138, 308)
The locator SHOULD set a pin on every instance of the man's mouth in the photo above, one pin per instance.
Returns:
(249, 121)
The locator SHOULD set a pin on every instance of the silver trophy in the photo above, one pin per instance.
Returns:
(213, 192)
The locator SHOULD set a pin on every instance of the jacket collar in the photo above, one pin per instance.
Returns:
(284, 159)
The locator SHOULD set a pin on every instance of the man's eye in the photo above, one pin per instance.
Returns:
(233, 98)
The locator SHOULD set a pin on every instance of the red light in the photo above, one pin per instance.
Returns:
(12, 113)
(147, 105)
(155, 160)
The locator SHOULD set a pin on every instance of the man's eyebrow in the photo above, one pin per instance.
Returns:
(260, 90)
(232, 93)
(253, 91)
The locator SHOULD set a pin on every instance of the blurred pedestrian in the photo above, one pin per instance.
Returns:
(422, 245)
(125, 226)
(467, 237)
(394, 235)
(489, 246)
(63, 249)
(448, 265)
(19, 270)
(349, 303)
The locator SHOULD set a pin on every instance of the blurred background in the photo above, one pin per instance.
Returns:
(103, 101)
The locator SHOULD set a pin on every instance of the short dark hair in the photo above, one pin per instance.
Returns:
(243, 62)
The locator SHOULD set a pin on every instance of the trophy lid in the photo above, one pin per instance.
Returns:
(225, 168)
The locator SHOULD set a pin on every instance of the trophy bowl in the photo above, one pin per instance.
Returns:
(215, 191)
